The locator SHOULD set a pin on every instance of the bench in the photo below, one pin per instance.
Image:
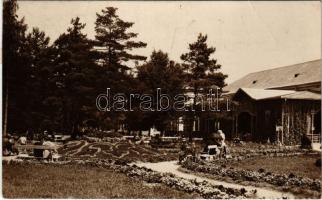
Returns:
(25, 156)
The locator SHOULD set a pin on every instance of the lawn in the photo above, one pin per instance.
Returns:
(301, 165)
(76, 181)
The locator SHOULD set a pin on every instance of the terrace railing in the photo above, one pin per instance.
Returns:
(315, 138)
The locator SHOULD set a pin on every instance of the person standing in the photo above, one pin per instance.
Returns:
(220, 141)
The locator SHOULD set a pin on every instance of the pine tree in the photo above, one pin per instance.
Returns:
(72, 80)
(160, 72)
(114, 44)
(201, 72)
(15, 71)
(114, 41)
(39, 59)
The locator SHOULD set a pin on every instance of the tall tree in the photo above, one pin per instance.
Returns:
(115, 43)
(161, 73)
(15, 71)
(40, 59)
(72, 78)
(202, 72)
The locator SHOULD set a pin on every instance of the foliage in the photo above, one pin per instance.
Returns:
(202, 70)
(73, 70)
(160, 73)
(202, 73)
(114, 43)
(53, 86)
(15, 70)
(306, 142)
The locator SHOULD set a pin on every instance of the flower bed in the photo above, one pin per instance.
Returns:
(254, 149)
(253, 176)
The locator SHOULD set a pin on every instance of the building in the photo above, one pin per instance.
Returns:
(304, 76)
(279, 104)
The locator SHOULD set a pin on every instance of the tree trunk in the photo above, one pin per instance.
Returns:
(193, 113)
(5, 122)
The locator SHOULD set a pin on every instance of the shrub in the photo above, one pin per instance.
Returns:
(291, 175)
(306, 142)
(318, 162)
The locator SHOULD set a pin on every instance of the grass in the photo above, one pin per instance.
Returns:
(76, 181)
(301, 165)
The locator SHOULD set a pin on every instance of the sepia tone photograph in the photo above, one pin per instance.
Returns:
(161, 99)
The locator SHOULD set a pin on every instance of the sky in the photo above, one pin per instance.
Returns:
(248, 36)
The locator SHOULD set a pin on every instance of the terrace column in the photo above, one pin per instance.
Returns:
(236, 124)
(282, 131)
(312, 123)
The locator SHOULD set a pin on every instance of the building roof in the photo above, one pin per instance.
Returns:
(261, 94)
(299, 74)
(304, 95)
